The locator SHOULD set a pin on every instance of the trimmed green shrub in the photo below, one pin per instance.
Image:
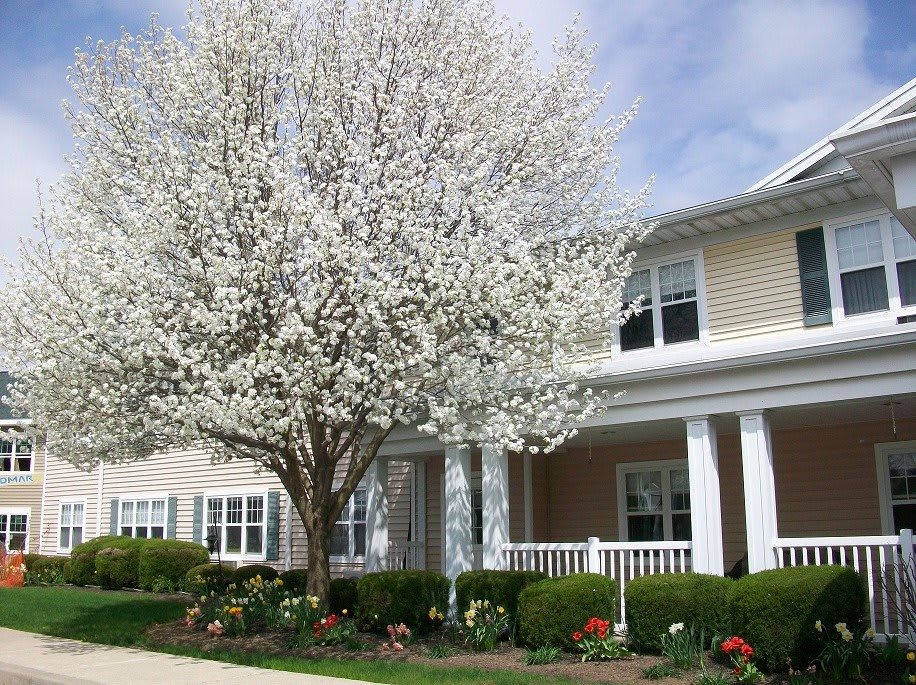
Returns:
(170, 560)
(206, 578)
(345, 595)
(400, 596)
(550, 611)
(243, 573)
(502, 588)
(45, 568)
(775, 611)
(295, 580)
(116, 567)
(655, 602)
(82, 569)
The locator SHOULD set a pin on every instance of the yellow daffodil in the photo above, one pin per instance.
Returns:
(911, 656)
(500, 610)
(432, 613)
(870, 634)
(840, 627)
(913, 678)
(818, 626)
(846, 635)
(469, 623)
(344, 612)
(279, 582)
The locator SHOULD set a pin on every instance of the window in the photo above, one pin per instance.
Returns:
(897, 485)
(16, 456)
(143, 518)
(875, 262)
(654, 501)
(238, 521)
(348, 539)
(477, 515)
(70, 525)
(670, 306)
(14, 529)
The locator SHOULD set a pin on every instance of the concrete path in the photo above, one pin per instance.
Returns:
(31, 659)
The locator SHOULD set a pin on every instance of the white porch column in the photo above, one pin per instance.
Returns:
(495, 491)
(377, 515)
(759, 490)
(705, 504)
(459, 556)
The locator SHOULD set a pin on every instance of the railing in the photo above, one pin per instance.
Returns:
(622, 561)
(879, 559)
(403, 555)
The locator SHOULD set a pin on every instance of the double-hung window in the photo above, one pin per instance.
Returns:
(348, 538)
(875, 267)
(897, 485)
(70, 525)
(14, 529)
(143, 518)
(238, 522)
(654, 501)
(16, 456)
(669, 298)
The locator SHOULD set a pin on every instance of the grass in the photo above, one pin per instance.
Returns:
(542, 655)
(661, 670)
(119, 618)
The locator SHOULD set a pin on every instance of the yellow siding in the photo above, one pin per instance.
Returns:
(22, 496)
(753, 287)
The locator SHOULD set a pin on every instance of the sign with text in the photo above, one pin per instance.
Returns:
(20, 479)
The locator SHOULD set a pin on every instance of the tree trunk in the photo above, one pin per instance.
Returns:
(319, 562)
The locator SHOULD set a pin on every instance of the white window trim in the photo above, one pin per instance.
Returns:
(145, 498)
(895, 309)
(476, 550)
(623, 469)
(205, 525)
(351, 557)
(18, 511)
(31, 471)
(60, 505)
(885, 503)
(702, 322)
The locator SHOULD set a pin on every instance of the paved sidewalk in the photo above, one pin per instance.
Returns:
(32, 659)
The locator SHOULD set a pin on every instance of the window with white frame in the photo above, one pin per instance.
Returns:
(14, 529)
(348, 538)
(70, 525)
(669, 302)
(239, 523)
(875, 262)
(143, 518)
(654, 501)
(16, 455)
(897, 485)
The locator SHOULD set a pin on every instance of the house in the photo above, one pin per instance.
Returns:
(769, 417)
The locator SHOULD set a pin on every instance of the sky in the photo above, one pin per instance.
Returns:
(731, 90)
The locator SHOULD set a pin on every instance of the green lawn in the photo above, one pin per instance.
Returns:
(118, 618)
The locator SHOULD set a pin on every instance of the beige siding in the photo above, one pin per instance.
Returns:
(753, 287)
(65, 483)
(27, 497)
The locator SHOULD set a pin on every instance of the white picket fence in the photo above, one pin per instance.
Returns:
(403, 555)
(879, 559)
(622, 561)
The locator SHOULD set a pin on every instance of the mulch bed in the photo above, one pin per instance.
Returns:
(276, 642)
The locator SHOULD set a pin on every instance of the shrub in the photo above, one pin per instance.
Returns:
(344, 595)
(81, 570)
(502, 588)
(45, 569)
(295, 580)
(243, 573)
(207, 578)
(170, 560)
(776, 610)
(550, 611)
(393, 597)
(655, 603)
(117, 567)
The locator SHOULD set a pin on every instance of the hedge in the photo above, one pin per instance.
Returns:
(775, 611)
(550, 611)
(243, 573)
(42, 566)
(169, 559)
(295, 580)
(81, 570)
(207, 578)
(392, 597)
(657, 601)
(502, 588)
(345, 595)
(118, 567)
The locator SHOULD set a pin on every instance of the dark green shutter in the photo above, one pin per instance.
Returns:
(198, 525)
(172, 514)
(113, 523)
(815, 285)
(272, 544)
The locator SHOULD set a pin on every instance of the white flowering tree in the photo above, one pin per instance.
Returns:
(293, 227)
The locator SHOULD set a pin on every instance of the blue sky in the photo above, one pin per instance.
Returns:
(731, 89)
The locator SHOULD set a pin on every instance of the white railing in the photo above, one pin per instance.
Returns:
(404, 555)
(879, 559)
(622, 561)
